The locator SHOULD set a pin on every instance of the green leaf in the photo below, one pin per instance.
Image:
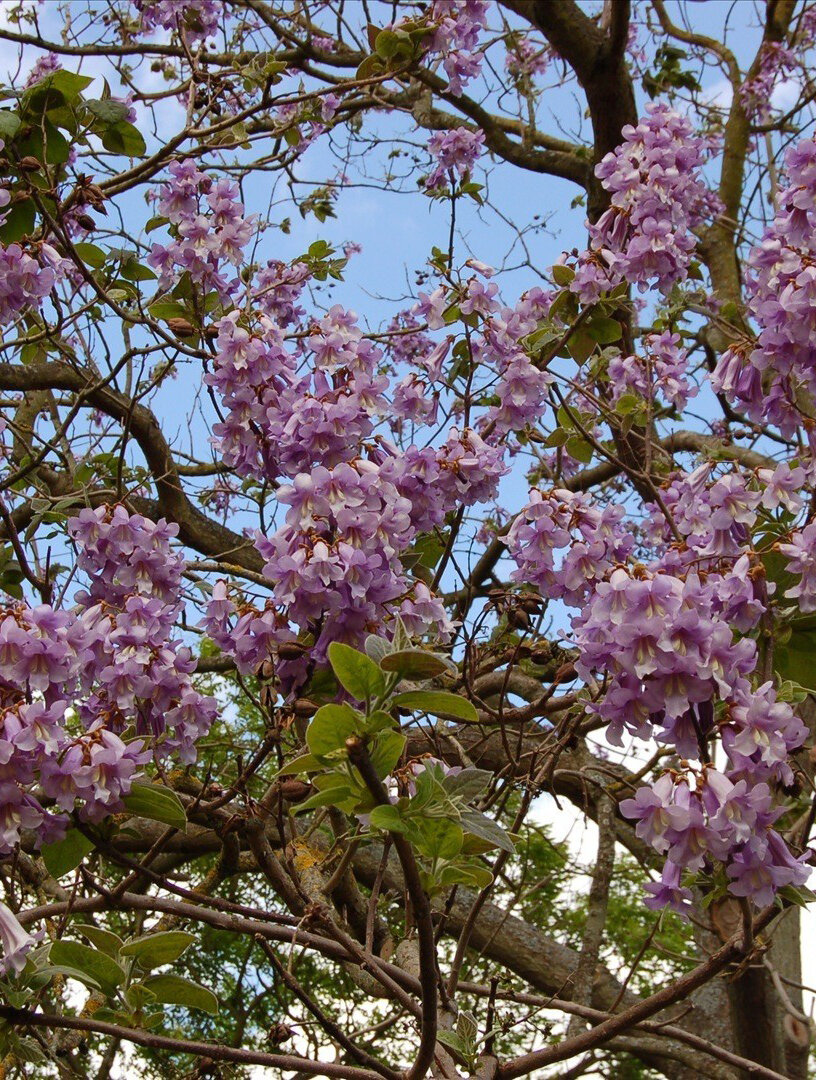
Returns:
(108, 111)
(387, 751)
(577, 447)
(487, 829)
(19, 221)
(88, 964)
(156, 802)
(331, 725)
(57, 147)
(389, 818)
(175, 990)
(153, 950)
(379, 721)
(65, 855)
(794, 659)
(303, 764)
(91, 254)
(438, 703)
(441, 837)
(168, 309)
(330, 796)
(356, 672)
(562, 275)
(132, 270)
(604, 330)
(9, 124)
(69, 84)
(477, 876)
(108, 942)
(581, 345)
(124, 138)
(416, 663)
(451, 1039)
(468, 784)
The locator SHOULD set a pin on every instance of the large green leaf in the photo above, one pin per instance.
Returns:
(65, 855)
(795, 658)
(487, 829)
(356, 672)
(386, 752)
(124, 138)
(176, 990)
(330, 726)
(153, 950)
(437, 703)
(156, 802)
(88, 965)
(416, 663)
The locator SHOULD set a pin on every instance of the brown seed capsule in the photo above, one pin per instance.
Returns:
(86, 221)
(30, 164)
(266, 670)
(279, 1033)
(518, 619)
(291, 650)
(305, 708)
(181, 327)
(294, 790)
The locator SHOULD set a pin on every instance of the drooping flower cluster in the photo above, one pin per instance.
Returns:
(662, 372)
(658, 198)
(716, 820)
(774, 377)
(44, 65)
(74, 682)
(525, 58)
(454, 152)
(303, 401)
(281, 421)
(669, 656)
(593, 541)
(194, 20)
(24, 282)
(457, 27)
(209, 229)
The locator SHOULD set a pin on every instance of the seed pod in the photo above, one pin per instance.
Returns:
(305, 708)
(181, 327)
(291, 650)
(294, 790)
(266, 670)
(518, 619)
(30, 164)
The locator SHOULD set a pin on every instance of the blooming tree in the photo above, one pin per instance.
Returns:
(319, 628)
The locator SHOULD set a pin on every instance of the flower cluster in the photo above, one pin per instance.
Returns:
(593, 541)
(454, 152)
(24, 282)
(457, 27)
(525, 58)
(774, 377)
(208, 227)
(194, 20)
(669, 655)
(658, 198)
(280, 421)
(716, 820)
(663, 372)
(74, 682)
(43, 66)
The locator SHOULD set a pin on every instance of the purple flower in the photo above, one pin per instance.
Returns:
(15, 940)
